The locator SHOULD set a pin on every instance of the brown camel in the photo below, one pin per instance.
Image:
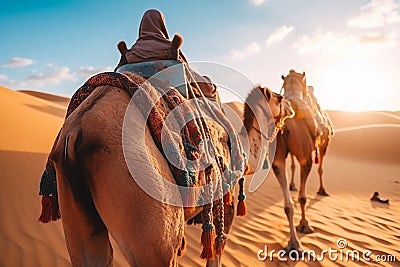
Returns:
(288, 139)
(324, 122)
(298, 139)
(98, 194)
(297, 91)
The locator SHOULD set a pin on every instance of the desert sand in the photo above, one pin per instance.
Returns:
(363, 157)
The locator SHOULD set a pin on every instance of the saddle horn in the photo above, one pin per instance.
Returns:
(122, 48)
(176, 43)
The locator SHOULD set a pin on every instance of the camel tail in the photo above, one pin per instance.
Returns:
(68, 161)
(62, 155)
(70, 146)
(73, 170)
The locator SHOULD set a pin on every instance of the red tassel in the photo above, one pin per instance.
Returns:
(208, 242)
(228, 198)
(50, 209)
(241, 208)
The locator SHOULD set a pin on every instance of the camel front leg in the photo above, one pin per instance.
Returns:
(279, 170)
(303, 227)
(292, 186)
(216, 262)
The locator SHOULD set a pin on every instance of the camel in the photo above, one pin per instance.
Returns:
(295, 83)
(98, 194)
(297, 140)
(289, 138)
(293, 137)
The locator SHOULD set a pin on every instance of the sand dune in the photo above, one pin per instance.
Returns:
(361, 160)
(49, 97)
(28, 123)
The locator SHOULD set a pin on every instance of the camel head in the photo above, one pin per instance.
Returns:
(294, 82)
(279, 105)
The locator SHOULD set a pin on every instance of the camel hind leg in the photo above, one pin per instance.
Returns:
(86, 235)
(147, 229)
(306, 165)
(322, 152)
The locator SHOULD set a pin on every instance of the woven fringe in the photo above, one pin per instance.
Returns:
(241, 206)
(50, 209)
(219, 222)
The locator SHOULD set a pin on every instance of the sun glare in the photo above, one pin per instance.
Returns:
(354, 86)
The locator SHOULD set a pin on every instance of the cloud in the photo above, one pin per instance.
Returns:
(6, 81)
(257, 2)
(321, 41)
(250, 49)
(279, 34)
(377, 40)
(17, 62)
(3, 78)
(328, 41)
(87, 71)
(53, 78)
(375, 14)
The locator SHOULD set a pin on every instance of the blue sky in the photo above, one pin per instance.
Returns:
(348, 49)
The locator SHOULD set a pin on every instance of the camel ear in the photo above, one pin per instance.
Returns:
(122, 47)
(304, 74)
(283, 77)
(267, 93)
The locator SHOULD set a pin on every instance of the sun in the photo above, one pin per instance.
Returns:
(352, 86)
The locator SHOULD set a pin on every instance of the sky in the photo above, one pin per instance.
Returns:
(349, 50)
